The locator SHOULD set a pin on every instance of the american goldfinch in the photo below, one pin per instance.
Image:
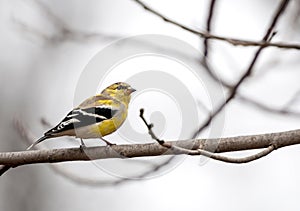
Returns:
(95, 117)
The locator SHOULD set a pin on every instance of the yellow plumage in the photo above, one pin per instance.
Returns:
(95, 117)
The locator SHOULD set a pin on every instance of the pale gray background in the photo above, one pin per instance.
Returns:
(39, 77)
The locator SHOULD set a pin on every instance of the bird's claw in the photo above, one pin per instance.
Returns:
(82, 148)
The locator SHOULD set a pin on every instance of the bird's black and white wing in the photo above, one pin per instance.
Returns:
(86, 114)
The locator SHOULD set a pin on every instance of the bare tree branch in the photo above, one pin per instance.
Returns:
(180, 150)
(205, 147)
(96, 183)
(233, 41)
(268, 35)
(63, 31)
(230, 144)
(208, 25)
(204, 60)
(27, 136)
(264, 107)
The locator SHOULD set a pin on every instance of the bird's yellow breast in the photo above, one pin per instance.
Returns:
(109, 126)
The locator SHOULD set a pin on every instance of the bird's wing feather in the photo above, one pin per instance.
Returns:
(93, 110)
(97, 100)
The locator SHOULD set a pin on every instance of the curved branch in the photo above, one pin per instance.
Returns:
(246, 159)
(268, 35)
(73, 177)
(232, 41)
(177, 149)
(230, 144)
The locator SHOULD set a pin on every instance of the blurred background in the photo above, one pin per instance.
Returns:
(46, 45)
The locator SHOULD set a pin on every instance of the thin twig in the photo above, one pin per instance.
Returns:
(96, 183)
(212, 73)
(264, 107)
(233, 41)
(208, 25)
(293, 100)
(150, 126)
(268, 35)
(204, 59)
(63, 30)
(181, 150)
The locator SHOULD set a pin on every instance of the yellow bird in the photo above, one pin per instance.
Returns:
(95, 117)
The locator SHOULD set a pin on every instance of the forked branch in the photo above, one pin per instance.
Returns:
(205, 147)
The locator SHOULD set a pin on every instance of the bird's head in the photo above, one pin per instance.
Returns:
(119, 90)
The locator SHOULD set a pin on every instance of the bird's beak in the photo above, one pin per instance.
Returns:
(131, 90)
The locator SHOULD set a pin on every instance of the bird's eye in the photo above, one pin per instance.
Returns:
(121, 87)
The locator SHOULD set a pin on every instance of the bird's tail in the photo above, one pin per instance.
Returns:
(37, 142)
(5, 168)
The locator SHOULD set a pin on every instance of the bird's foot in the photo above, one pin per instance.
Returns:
(82, 146)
